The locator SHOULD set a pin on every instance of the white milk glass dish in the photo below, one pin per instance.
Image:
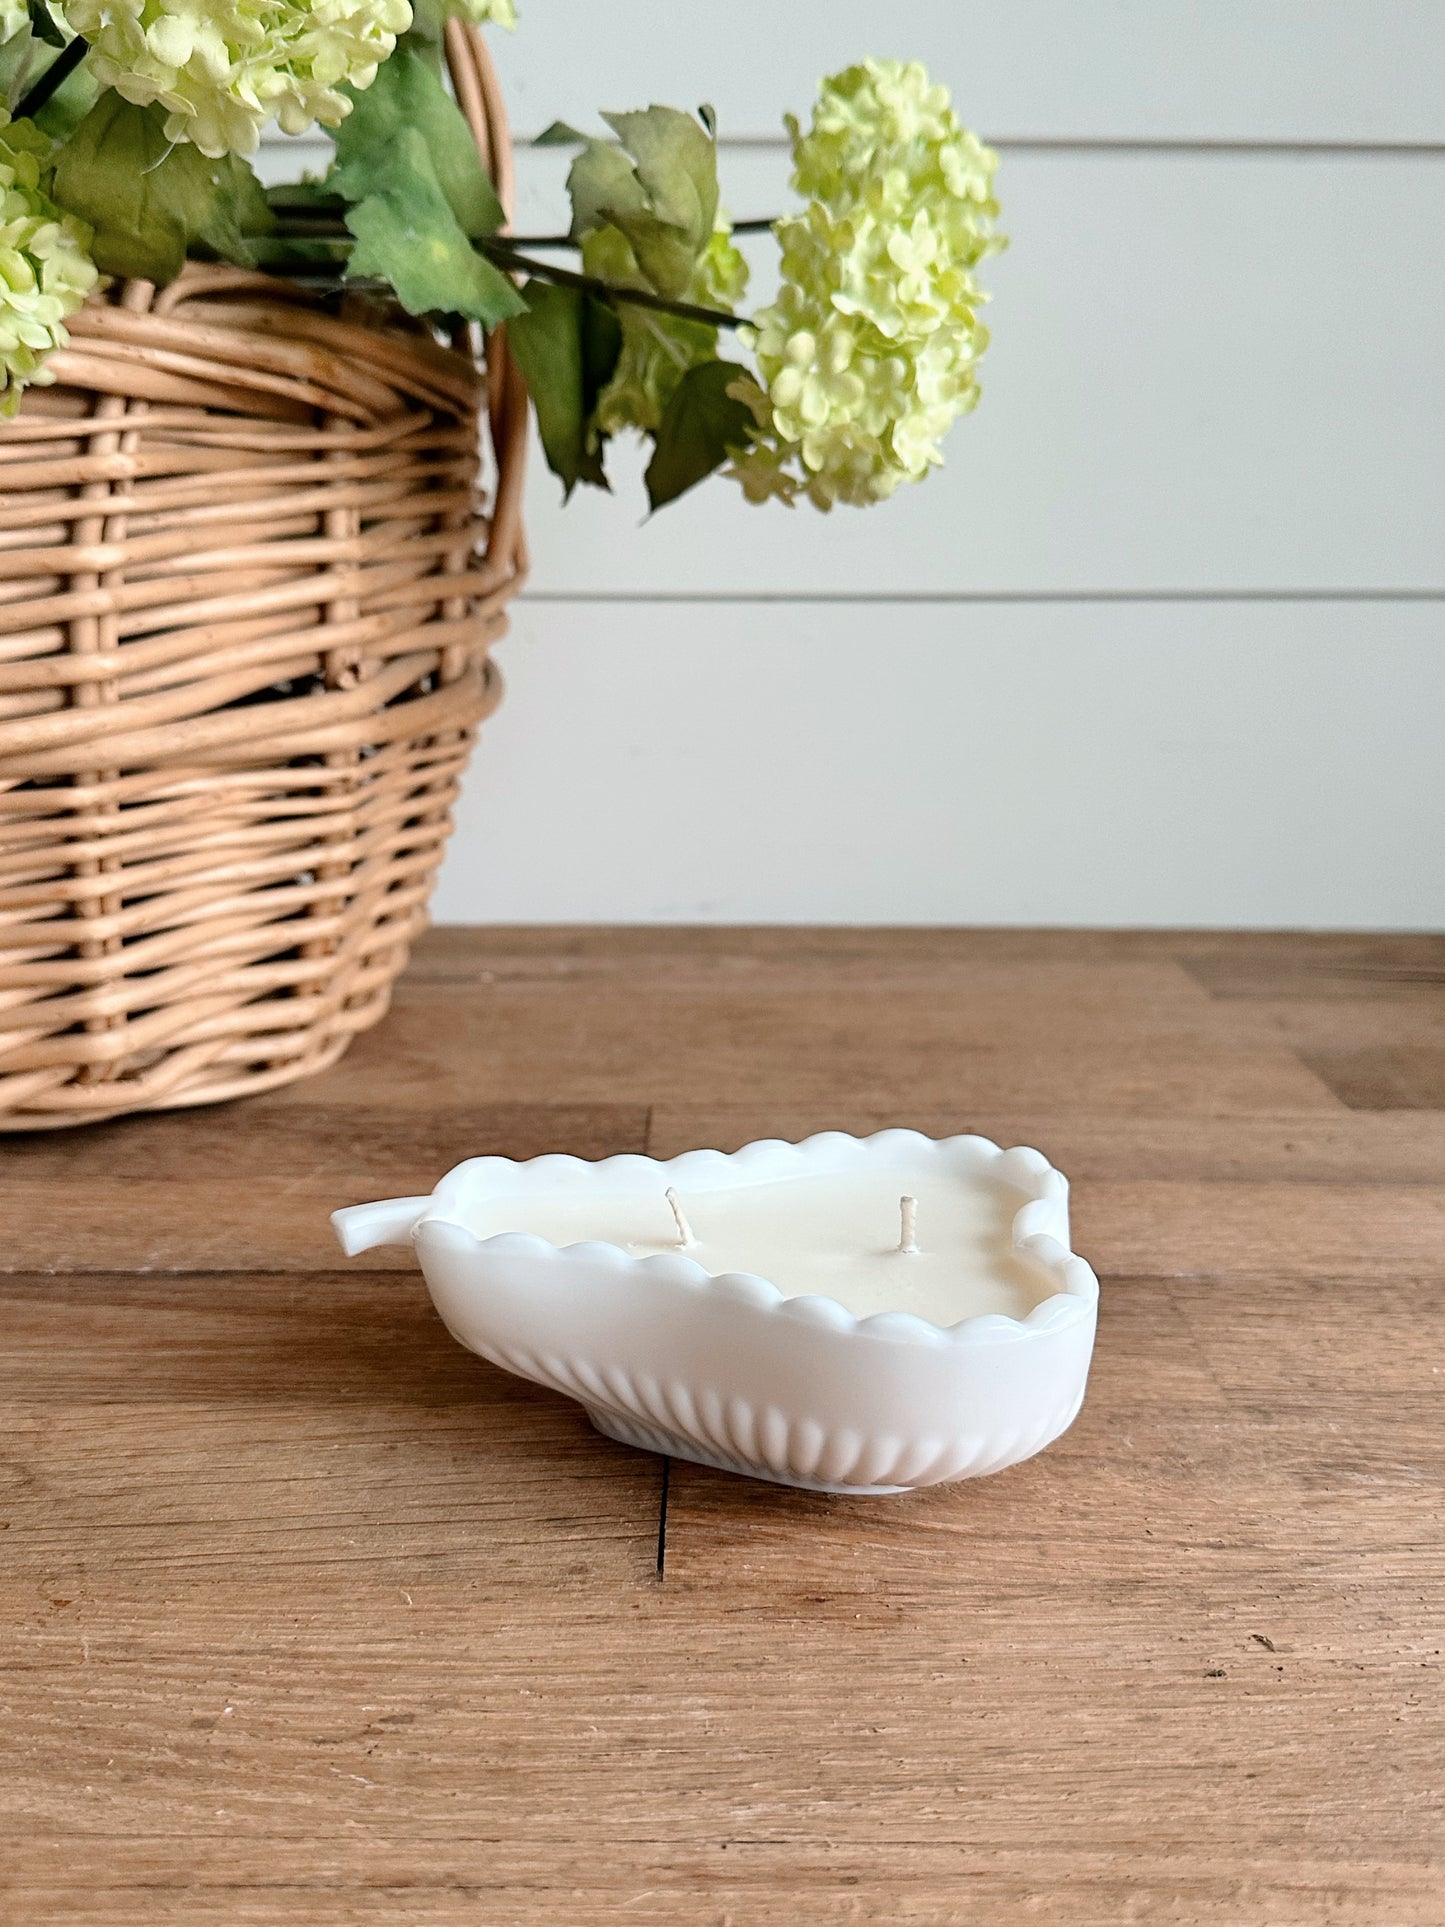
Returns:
(856, 1315)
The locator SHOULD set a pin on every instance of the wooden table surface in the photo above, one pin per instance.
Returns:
(308, 1617)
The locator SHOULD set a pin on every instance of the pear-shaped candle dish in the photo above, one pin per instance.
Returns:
(924, 1318)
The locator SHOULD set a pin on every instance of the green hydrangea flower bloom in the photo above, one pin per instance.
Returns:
(658, 349)
(870, 351)
(45, 269)
(223, 68)
(883, 130)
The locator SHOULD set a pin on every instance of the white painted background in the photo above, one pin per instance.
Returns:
(1165, 643)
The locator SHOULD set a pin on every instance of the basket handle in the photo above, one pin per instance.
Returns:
(479, 95)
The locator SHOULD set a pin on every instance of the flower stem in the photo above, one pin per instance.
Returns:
(763, 225)
(502, 250)
(59, 71)
(309, 225)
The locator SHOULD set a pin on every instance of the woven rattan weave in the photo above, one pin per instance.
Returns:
(247, 593)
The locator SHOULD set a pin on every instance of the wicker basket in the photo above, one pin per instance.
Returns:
(246, 599)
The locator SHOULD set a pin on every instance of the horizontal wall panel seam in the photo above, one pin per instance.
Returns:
(306, 149)
(942, 597)
(1141, 144)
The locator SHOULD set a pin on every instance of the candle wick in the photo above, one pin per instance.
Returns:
(908, 1242)
(684, 1229)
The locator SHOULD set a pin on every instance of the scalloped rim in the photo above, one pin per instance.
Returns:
(1019, 1167)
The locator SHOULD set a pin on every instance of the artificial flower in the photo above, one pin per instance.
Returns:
(222, 68)
(658, 349)
(503, 12)
(869, 352)
(45, 269)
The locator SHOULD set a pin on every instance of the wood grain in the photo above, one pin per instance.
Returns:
(310, 1619)
(1383, 1077)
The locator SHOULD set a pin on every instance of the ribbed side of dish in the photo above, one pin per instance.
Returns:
(717, 1428)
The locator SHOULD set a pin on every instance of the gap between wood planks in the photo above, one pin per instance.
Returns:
(662, 1518)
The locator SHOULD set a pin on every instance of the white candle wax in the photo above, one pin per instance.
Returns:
(829, 1236)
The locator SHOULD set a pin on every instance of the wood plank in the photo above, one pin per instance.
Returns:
(907, 764)
(330, 1429)
(1049, 994)
(912, 1658)
(1242, 1565)
(688, 1044)
(310, 1619)
(1404, 1023)
(1374, 1232)
(253, 1186)
(1277, 967)
(172, 1884)
(1384, 1077)
(1107, 1145)
(1284, 962)
(296, 1133)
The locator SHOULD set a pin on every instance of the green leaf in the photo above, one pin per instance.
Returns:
(238, 216)
(676, 166)
(68, 106)
(305, 194)
(293, 254)
(407, 234)
(429, 21)
(561, 134)
(601, 347)
(659, 189)
(110, 174)
(44, 25)
(599, 180)
(17, 56)
(665, 254)
(699, 426)
(566, 344)
(407, 96)
(147, 200)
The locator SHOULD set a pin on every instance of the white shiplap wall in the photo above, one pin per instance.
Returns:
(1163, 644)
